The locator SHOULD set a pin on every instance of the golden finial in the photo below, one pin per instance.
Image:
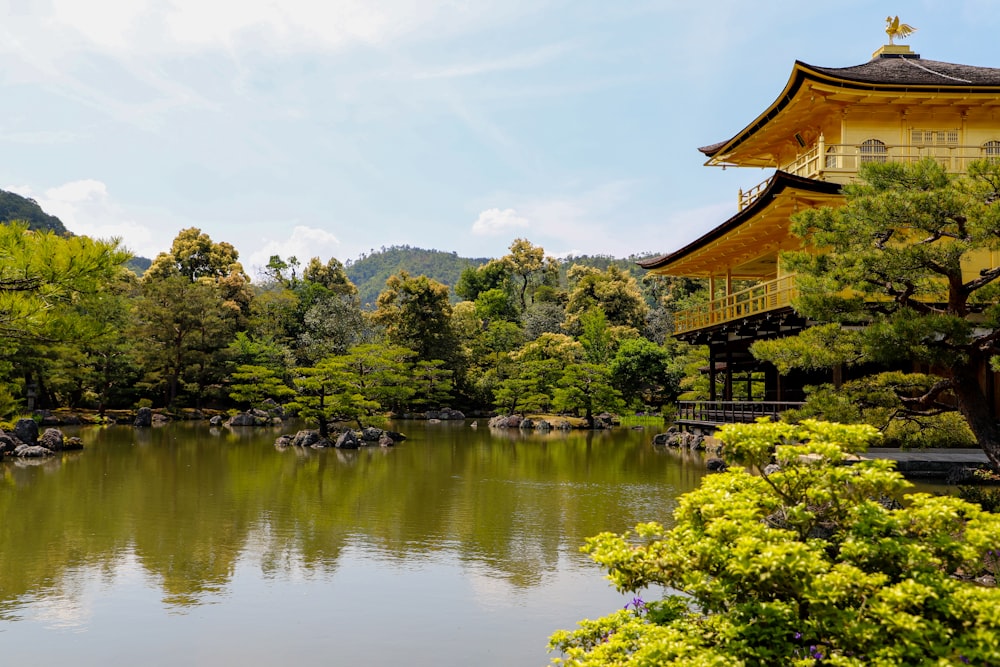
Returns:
(894, 28)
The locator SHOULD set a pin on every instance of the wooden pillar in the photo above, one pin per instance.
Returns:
(727, 392)
(750, 384)
(712, 394)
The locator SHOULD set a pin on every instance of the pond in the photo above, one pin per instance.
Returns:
(186, 544)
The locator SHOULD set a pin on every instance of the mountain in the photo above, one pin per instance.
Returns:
(370, 271)
(15, 207)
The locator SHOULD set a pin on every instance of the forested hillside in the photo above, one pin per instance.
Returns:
(15, 207)
(370, 271)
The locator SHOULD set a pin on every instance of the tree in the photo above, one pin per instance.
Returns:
(252, 385)
(416, 313)
(529, 263)
(587, 387)
(613, 291)
(51, 291)
(805, 563)
(182, 329)
(892, 268)
(534, 371)
(645, 372)
(194, 300)
(42, 271)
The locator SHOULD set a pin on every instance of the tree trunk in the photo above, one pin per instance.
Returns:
(975, 408)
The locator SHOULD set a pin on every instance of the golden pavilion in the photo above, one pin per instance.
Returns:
(824, 124)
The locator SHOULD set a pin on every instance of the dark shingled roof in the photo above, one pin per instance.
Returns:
(887, 72)
(914, 72)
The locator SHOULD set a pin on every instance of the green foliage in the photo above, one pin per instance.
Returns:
(894, 264)
(368, 380)
(586, 387)
(416, 313)
(875, 400)
(252, 385)
(801, 565)
(986, 497)
(645, 373)
(613, 291)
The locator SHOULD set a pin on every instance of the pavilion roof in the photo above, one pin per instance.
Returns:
(762, 223)
(909, 74)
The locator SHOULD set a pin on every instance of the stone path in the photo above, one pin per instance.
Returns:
(929, 461)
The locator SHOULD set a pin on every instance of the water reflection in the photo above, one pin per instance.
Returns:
(197, 515)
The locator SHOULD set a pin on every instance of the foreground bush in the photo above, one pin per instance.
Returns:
(810, 563)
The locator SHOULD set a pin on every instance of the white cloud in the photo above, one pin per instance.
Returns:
(86, 208)
(518, 61)
(304, 243)
(184, 26)
(494, 222)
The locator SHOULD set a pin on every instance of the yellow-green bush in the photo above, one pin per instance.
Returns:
(807, 564)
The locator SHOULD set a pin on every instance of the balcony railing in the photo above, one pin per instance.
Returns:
(760, 298)
(845, 159)
(730, 412)
(840, 162)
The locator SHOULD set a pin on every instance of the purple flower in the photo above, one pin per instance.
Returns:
(798, 635)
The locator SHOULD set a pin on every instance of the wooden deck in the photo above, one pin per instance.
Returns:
(712, 414)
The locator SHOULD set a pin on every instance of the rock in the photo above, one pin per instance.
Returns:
(143, 418)
(716, 464)
(216, 420)
(386, 441)
(305, 438)
(601, 422)
(506, 421)
(8, 442)
(449, 414)
(542, 425)
(474, 425)
(52, 439)
(347, 440)
(26, 430)
(771, 468)
(434, 421)
(526, 424)
(32, 451)
(371, 434)
(662, 439)
(396, 437)
(72, 443)
(159, 419)
(283, 441)
(273, 409)
(563, 425)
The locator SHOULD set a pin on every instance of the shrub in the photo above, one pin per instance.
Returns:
(809, 563)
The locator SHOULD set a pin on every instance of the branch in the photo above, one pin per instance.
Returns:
(986, 276)
(928, 401)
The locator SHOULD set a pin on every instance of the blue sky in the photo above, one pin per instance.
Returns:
(330, 128)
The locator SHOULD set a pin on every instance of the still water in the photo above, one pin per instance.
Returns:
(198, 546)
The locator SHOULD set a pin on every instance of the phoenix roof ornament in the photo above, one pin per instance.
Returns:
(894, 28)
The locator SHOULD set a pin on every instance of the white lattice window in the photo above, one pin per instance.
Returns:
(991, 150)
(934, 137)
(873, 150)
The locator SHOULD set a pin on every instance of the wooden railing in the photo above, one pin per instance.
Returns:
(730, 412)
(760, 298)
(843, 160)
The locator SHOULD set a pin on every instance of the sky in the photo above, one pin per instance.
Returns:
(333, 128)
